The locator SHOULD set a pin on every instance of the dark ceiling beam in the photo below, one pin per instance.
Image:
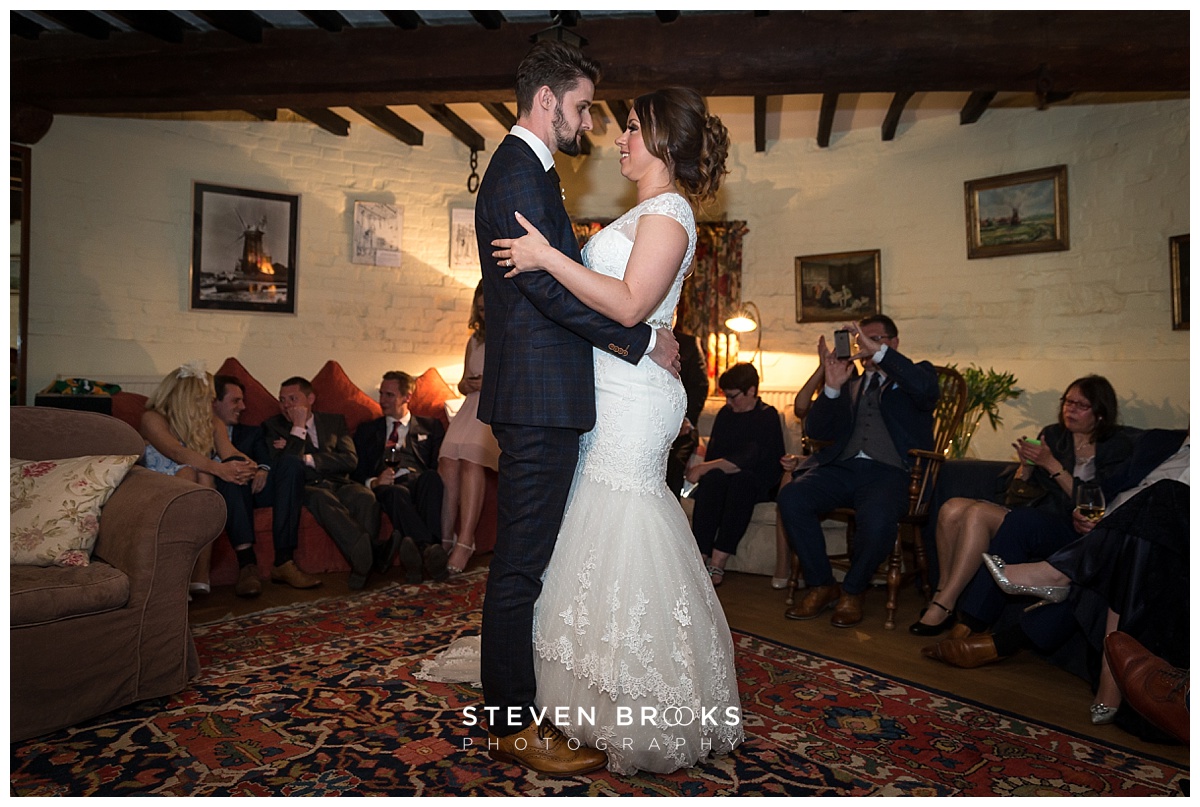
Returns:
(331, 122)
(393, 124)
(567, 18)
(268, 115)
(490, 20)
(1052, 97)
(81, 22)
(895, 109)
(407, 20)
(620, 112)
(245, 25)
(22, 26)
(500, 112)
(760, 123)
(666, 16)
(329, 21)
(825, 121)
(455, 125)
(161, 24)
(718, 54)
(975, 106)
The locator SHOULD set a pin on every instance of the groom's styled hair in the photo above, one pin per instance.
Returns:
(554, 65)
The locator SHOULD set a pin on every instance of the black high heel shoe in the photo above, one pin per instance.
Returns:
(919, 628)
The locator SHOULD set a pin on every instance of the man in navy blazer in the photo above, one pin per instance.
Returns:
(538, 391)
(411, 494)
(870, 423)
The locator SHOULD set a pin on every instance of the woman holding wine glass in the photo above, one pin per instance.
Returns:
(1085, 445)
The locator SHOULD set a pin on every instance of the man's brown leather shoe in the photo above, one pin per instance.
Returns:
(973, 650)
(849, 610)
(814, 601)
(248, 584)
(291, 574)
(1155, 689)
(545, 749)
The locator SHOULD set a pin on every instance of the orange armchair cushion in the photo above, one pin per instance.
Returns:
(260, 403)
(337, 393)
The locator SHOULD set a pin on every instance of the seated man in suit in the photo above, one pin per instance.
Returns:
(411, 493)
(280, 487)
(870, 423)
(344, 508)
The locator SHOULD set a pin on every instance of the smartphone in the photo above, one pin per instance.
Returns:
(841, 344)
(1033, 441)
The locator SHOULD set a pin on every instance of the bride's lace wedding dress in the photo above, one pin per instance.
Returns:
(632, 652)
(629, 635)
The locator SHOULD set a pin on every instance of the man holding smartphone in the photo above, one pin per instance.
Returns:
(870, 421)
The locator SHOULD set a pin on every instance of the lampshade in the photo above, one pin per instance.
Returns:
(745, 320)
(741, 322)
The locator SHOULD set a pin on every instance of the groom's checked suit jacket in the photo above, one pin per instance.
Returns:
(538, 372)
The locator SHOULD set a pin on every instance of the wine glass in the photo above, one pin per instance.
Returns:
(392, 456)
(1089, 501)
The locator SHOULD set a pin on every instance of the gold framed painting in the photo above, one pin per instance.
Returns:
(837, 286)
(1181, 281)
(1016, 214)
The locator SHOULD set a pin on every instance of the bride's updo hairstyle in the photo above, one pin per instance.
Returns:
(678, 130)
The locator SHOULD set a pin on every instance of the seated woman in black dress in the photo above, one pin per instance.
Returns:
(1130, 571)
(1086, 444)
(740, 468)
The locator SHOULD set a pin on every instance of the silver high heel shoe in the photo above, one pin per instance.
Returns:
(1103, 715)
(1047, 594)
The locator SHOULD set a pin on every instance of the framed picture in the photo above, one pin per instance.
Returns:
(377, 228)
(464, 251)
(1019, 213)
(243, 249)
(837, 287)
(1181, 282)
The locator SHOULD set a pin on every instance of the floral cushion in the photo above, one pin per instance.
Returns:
(55, 507)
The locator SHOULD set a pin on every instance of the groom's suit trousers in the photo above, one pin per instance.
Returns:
(537, 464)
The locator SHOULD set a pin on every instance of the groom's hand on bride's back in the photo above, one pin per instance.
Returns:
(666, 351)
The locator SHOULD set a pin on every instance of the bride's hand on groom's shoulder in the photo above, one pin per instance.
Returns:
(525, 254)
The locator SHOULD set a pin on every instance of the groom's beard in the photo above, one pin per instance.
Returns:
(567, 142)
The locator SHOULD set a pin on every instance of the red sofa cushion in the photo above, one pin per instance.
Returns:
(129, 407)
(429, 397)
(337, 393)
(260, 403)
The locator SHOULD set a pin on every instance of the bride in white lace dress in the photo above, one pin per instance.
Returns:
(633, 653)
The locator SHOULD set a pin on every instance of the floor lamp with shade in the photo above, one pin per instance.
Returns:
(746, 319)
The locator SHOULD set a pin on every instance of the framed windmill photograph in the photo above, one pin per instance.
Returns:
(1015, 214)
(243, 249)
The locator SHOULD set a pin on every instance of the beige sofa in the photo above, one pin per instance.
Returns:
(86, 640)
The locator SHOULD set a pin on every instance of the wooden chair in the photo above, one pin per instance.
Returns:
(926, 465)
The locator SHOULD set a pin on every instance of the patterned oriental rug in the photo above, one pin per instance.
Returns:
(320, 700)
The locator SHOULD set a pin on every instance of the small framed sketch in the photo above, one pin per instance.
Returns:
(1181, 281)
(1019, 213)
(464, 251)
(243, 249)
(377, 227)
(838, 286)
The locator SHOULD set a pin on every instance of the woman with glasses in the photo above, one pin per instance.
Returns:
(740, 468)
(1086, 444)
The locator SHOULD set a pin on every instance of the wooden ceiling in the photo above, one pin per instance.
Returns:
(316, 62)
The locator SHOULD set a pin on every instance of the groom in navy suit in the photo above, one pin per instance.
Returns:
(538, 392)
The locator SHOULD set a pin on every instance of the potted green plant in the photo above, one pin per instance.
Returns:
(986, 390)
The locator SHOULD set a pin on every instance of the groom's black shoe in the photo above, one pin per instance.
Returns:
(545, 749)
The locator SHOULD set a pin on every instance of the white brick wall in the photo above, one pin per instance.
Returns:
(111, 230)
